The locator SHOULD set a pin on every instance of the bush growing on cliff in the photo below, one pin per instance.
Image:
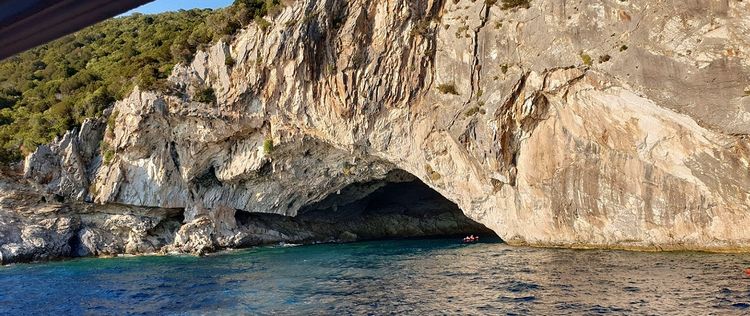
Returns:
(52, 88)
(512, 4)
(107, 152)
(448, 88)
(471, 111)
(206, 95)
(586, 59)
(111, 123)
(262, 23)
(229, 61)
(268, 146)
(422, 28)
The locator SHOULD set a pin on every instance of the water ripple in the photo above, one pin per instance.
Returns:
(415, 277)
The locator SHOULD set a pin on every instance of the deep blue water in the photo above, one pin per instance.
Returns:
(415, 277)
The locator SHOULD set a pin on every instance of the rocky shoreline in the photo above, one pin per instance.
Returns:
(41, 231)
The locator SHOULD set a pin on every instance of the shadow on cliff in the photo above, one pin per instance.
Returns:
(400, 206)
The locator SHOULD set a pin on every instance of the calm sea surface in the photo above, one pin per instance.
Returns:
(414, 277)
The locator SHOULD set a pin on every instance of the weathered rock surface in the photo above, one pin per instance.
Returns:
(33, 227)
(66, 166)
(609, 124)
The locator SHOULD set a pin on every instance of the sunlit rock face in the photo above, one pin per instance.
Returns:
(610, 124)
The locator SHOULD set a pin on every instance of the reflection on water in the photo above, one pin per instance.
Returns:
(407, 277)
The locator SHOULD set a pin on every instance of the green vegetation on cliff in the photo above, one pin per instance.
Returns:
(54, 87)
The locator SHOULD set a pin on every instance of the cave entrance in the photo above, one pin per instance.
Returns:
(399, 206)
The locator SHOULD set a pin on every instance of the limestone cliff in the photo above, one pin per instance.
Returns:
(562, 123)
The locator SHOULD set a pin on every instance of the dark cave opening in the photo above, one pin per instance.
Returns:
(399, 206)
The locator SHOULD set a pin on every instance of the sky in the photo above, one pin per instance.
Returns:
(174, 5)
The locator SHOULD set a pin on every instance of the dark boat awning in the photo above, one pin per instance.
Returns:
(27, 23)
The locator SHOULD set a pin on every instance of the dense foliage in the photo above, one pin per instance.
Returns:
(54, 87)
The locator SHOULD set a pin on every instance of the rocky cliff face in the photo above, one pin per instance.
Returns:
(565, 123)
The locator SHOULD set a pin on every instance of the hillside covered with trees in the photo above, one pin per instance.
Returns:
(52, 88)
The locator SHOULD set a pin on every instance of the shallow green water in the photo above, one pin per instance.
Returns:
(418, 277)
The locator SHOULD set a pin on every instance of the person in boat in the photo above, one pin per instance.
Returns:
(471, 238)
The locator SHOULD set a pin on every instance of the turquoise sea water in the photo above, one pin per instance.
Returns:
(414, 277)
